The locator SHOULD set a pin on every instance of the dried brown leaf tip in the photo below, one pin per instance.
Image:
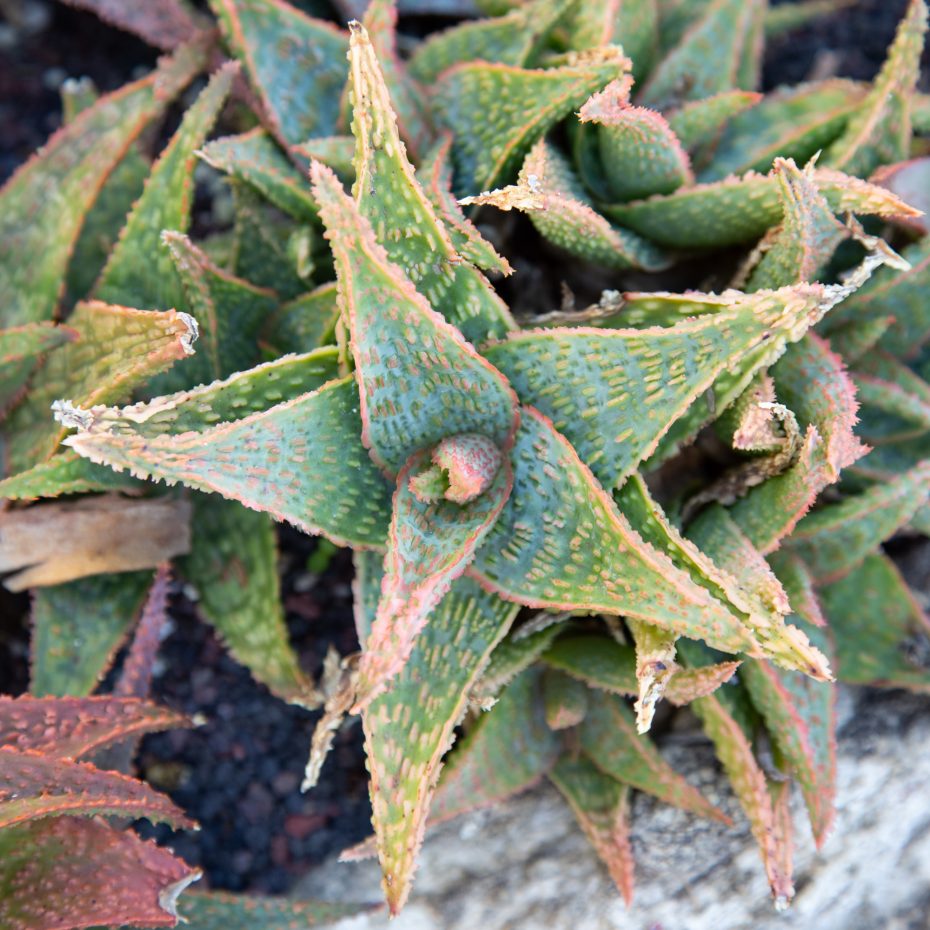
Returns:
(687, 486)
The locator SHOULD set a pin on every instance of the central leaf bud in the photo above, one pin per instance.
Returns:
(463, 468)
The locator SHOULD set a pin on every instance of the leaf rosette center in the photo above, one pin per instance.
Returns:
(462, 468)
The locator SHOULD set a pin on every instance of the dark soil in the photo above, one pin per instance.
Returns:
(239, 773)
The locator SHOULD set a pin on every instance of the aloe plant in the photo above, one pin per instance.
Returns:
(477, 464)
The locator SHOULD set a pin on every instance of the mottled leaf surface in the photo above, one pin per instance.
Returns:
(565, 700)
(219, 910)
(166, 24)
(21, 350)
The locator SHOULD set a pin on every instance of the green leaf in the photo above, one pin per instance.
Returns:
(752, 790)
(565, 700)
(219, 910)
(139, 272)
(34, 786)
(431, 542)
(615, 393)
(233, 566)
(881, 631)
(699, 122)
(879, 132)
(507, 750)
(435, 174)
(793, 122)
(68, 728)
(512, 39)
(85, 873)
(555, 201)
(737, 210)
(561, 543)
(719, 52)
(497, 112)
(419, 380)
(787, 17)
(609, 739)
(254, 158)
(630, 23)
(305, 323)
(410, 727)
(296, 64)
(21, 350)
(380, 23)
(403, 220)
(230, 313)
(601, 806)
(640, 153)
(115, 350)
(44, 204)
(513, 655)
(895, 401)
(77, 628)
(301, 460)
(834, 539)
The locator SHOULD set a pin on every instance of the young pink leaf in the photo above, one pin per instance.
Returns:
(409, 728)
(44, 204)
(71, 727)
(419, 381)
(33, 785)
(430, 543)
(166, 24)
(601, 806)
(70, 873)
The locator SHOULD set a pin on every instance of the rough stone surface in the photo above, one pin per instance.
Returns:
(527, 866)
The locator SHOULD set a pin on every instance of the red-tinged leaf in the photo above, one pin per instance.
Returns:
(799, 586)
(879, 131)
(834, 539)
(852, 340)
(21, 350)
(793, 122)
(44, 204)
(640, 153)
(338, 152)
(77, 628)
(431, 542)
(135, 676)
(617, 394)
(70, 873)
(749, 782)
(409, 729)
(603, 663)
(880, 630)
(435, 174)
(655, 666)
(166, 24)
(565, 700)
(254, 158)
(301, 461)
(800, 714)
(230, 313)
(898, 294)
(33, 786)
(601, 806)
(402, 218)
(507, 750)
(497, 112)
(738, 210)
(234, 567)
(720, 51)
(553, 198)
(812, 381)
(68, 728)
(380, 23)
(419, 380)
(219, 910)
(116, 350)
(699, 123)
(512, 39)
(139, 272)
(609, 739)
(630, 23)
(805, 240)
(295, 63)
(561, 543)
